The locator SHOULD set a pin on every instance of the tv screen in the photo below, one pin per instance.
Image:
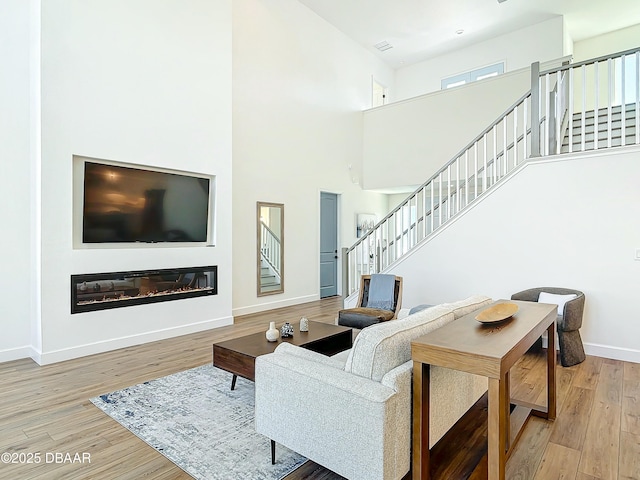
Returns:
(123, 204)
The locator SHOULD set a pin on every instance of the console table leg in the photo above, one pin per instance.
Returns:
(273, 452)
(421, 456)
(507, 411)
(233, 382)
(497, 438)
(551, 371)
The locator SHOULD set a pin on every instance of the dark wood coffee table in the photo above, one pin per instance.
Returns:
(238, 356)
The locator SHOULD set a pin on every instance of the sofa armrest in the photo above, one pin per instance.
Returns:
(337, 419)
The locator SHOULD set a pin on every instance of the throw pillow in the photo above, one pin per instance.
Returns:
(418, 308)
(559, 300)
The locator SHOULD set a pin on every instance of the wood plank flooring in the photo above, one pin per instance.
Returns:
(47, 409)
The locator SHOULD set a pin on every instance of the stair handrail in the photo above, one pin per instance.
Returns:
(590, 61)
(370, 235)
(440, 171)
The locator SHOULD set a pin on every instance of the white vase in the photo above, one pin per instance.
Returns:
(273, 333)
(304, 324)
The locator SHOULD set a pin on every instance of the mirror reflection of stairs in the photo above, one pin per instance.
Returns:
(268, 279)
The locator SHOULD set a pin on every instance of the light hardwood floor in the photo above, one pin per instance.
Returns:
(47, 409)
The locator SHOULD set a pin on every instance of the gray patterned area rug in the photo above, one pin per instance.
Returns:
(195, 420)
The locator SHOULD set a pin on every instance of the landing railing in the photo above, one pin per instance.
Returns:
(596, 106)
(560, 103)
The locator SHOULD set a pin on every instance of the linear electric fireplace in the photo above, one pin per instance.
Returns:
(99, 291)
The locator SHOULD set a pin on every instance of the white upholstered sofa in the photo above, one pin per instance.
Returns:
(352, 412)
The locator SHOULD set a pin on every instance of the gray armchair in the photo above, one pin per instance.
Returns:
(568, 323)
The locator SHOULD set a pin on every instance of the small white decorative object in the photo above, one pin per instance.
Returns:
(304, 324)
(273, 333)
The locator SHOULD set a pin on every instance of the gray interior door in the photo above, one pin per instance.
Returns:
(328, 244)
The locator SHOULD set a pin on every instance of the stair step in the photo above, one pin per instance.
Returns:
(590, 137)
(603, 112)
(602, 135)
(602, 143)
(270, 288)
(630, 123)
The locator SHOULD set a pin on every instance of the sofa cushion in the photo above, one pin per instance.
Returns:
(419, 308)
(379, 348)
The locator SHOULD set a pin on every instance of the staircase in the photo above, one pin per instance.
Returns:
(558, 115)
(609, 133)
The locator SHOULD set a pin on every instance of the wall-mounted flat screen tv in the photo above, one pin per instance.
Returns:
(124, 204)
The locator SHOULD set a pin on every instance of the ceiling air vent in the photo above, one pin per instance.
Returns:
(382, 46)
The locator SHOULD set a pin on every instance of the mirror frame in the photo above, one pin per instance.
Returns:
(260, 205)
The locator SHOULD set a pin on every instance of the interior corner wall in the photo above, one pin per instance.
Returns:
(15, 182)
(148, 83)
(605, 44)
(541, 42)
(299, 88)
(567, 48)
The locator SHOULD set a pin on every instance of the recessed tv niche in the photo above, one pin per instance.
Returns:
(125, 204)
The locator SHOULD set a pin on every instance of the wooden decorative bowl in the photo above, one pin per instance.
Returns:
(497, 313)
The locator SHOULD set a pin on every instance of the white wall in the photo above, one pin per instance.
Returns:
(145, 82)
(542, 42)
(612, 42)
(16, 280)
(561, 222)
(299, 86)
(406, 142)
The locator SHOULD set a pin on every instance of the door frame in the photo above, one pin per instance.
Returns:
(338, 235)
(385, 92)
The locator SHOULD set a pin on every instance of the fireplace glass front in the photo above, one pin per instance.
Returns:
(99, 291)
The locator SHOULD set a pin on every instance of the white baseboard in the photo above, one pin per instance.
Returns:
(614, 353)
(275, 304)
(55, 356)
(12, 354)
(605, 351)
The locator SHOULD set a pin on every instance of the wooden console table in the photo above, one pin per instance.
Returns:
(489, 350)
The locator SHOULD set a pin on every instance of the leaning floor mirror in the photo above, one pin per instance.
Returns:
(270, 248)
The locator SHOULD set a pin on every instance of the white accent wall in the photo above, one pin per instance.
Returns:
(541, 42)
(16, 278)
(299, 88)
(406, 142)
(148, 83)
(566, 222)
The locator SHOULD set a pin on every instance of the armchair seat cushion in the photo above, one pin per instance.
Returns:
(361, 317)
